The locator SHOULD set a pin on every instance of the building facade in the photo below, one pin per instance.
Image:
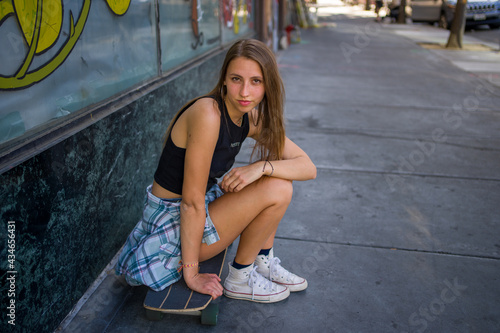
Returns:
(87, 90)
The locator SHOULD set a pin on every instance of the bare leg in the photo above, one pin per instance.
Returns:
(253, 213)
(270, 241)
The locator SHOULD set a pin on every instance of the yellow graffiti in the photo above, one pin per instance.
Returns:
(236, 17)
(119, 7)
(40, 22)
(23, 78)
(241, 10)
(245, 12)
(50, 26)
(6, 9)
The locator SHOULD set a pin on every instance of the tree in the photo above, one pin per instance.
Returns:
(402, 12)
(457, 26)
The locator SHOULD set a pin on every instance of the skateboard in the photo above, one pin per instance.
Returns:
(179, 299)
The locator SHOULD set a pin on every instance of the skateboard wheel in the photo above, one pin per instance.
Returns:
(209, 314)
(154, 315)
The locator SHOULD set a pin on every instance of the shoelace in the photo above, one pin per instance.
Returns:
(277, 269)
(257, 279)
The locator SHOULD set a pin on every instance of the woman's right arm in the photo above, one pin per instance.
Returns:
(202, 124)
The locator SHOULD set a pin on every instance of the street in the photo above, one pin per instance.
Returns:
(484, 33)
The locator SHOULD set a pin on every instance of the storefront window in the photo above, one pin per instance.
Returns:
(187, 29)
(237, 18)
(82, 52)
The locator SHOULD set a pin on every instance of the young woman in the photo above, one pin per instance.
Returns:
(186, 207)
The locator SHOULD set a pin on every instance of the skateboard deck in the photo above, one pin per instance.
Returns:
(179, 299)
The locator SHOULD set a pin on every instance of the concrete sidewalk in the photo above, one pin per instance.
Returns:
(400, 230)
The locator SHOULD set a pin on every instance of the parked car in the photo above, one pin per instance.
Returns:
(478, 12)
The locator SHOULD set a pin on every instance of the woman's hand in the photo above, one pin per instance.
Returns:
(238, 178)
(205, 284)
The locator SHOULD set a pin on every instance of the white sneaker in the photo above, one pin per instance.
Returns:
(248, 284)
(269, 266)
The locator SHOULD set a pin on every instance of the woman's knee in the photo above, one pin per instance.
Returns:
(277, 190)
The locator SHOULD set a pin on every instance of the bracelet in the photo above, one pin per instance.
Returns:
(264, 168)
(190, 265)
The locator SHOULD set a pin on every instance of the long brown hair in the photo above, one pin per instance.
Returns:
(271, 141)
(270, 120)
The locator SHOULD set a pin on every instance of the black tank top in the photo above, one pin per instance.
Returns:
(170, 171)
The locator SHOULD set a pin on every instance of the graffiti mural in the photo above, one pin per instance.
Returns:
(188, 28)
(227, 13)
(196, 17)
(40, 22)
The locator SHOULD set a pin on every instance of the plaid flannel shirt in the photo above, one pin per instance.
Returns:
(152, 253)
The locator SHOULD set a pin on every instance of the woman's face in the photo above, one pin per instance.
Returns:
(245, 86)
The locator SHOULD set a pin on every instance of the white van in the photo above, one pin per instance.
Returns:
(478, 12)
